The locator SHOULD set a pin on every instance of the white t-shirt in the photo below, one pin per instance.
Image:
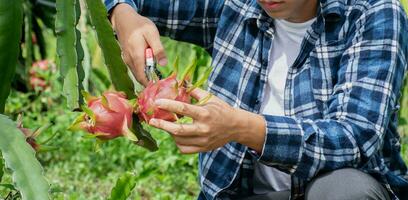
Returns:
(285, 49)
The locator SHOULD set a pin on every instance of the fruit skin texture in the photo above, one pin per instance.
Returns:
(107, 117)
(169, 88)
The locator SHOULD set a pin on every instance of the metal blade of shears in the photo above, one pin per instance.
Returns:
(151, 71)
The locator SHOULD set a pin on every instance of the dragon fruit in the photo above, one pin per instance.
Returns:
(169, 88)
(40, 72)
(38, 83)
(106, 117)
(41, 65)
(111, 115)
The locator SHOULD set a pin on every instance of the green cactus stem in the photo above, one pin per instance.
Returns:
(20, 158)
(11, 23)
(69, 50)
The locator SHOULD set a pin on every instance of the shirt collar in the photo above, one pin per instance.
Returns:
(332, 10)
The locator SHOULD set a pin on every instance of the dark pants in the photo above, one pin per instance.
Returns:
(342, 184)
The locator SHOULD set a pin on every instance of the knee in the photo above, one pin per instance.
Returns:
(345, 184)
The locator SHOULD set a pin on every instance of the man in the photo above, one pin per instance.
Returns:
(306, 93)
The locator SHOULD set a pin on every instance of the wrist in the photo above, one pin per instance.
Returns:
(250, 130)
(122, 10)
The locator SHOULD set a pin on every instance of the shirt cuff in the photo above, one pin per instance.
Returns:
(109, 4)
(283, 142)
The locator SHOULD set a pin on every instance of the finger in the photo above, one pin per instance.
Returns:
(199, 94)
(129, 62)
(175, 129)
(181, 108)
(138, 58)
(196, 141)
(127, 59)
(190, 149)
(153, 39)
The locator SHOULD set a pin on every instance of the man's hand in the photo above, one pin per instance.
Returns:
(214, 124)
(135, 34)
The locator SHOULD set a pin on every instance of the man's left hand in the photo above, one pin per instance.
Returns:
(215, 123)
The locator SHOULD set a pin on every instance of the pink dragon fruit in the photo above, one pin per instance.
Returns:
(38, 83)
(169, 88)
(106, 117)
(39, 74)
(111, 115)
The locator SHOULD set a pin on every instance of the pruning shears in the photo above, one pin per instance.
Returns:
(151, 71)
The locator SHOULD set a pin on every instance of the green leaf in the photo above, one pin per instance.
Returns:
(100, 79)
(203, 79)
(145, 139)
(69, 50)
(87, 96)
(1, 167)
(405, 5)
(8, 186)
(11, 23)
(20, 158)
(28, 43)
(189, 71)
(124, 186)
(111, 51)
(176, 65)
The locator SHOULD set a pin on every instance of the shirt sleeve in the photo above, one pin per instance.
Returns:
(193, 21)
(370, 77)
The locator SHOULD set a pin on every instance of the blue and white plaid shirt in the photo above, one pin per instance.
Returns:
(341, 96)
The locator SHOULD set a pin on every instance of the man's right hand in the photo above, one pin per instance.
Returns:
(135, 34)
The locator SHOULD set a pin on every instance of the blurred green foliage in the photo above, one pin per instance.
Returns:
(81, 168)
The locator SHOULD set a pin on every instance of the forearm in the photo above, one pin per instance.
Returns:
(121, 11)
